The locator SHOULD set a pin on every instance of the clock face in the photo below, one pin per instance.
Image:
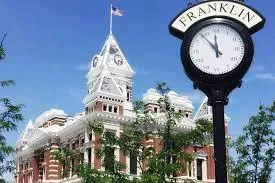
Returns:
(217, 49)
(95, 61)
(118, 60)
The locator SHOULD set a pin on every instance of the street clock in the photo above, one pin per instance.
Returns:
(216, 52)
(217, 47)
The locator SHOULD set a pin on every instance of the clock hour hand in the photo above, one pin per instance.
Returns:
(217, 47)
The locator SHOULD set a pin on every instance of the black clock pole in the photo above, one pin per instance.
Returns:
(218, 102)
(219, 142)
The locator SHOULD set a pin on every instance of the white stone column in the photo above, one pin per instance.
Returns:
(204, 170)
(127, 164)
(93, 153)
(117, 147)
(194, 172)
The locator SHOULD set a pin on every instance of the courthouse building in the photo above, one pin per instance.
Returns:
(109, 98)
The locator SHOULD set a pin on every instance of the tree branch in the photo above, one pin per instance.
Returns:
(1, 45)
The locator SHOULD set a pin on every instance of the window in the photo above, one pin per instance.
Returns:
(44, 172)
(115, 109)
(104, 107)
(82, 142)
(90, 136)
(89, 152)
(190, 169)
(155, 110)
(186, 115)
(128, 96)
(81, 157)
(64, 170)
(109, 159)
(30, 177)
(174, 157)
(199, 169)
(73, 162)
(133, 164)
(110, 108)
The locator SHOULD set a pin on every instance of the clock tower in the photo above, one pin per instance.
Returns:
(109, 81)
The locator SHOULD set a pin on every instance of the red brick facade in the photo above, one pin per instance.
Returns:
(43, 166)
(97, 160)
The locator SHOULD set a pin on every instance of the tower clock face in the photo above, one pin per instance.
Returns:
(217, 49)
(118, 60)
(95, 61)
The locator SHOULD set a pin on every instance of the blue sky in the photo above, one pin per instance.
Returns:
(50, 43)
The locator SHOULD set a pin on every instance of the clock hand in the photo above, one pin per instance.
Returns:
(216, 47)
(211, 44)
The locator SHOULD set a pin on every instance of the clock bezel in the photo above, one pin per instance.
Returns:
(197, 75)
(223, 59)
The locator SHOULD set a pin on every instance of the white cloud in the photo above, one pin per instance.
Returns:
(265, 76)
(261, 73)
(258, 68)
(82, 67)
(196, 97)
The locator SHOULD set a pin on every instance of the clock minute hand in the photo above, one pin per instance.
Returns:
(211, 44)
(217, 47)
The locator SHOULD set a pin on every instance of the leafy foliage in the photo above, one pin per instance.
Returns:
(64, 156)
(255, 149)
(10, 115)
(162, 165)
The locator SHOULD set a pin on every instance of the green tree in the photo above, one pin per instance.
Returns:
(163, 165)
(166, 164)
(255, 149)
(10, 114)
(64, 156)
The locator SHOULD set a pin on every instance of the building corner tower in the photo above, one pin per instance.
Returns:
(109, 81)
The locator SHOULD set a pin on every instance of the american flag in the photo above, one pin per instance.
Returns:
(117, 12)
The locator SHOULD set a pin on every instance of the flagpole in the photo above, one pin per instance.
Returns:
(111, 19)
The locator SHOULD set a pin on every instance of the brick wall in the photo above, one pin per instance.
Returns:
(34, 166)
(121, 109)
(20, 175)
(97, 161)
(76, 160)
(210, 162)
(98, 106)
(122, 156)
(52, 165)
